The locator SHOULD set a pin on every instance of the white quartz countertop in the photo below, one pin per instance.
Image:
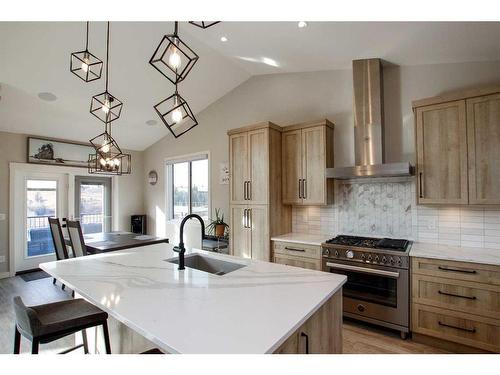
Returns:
(302, 238)
(457, 253)
(251, 310)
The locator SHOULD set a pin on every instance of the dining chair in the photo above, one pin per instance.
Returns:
(58, 239)
(42, 324)
(76, 238)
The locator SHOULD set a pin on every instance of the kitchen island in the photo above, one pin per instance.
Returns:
(261, 307)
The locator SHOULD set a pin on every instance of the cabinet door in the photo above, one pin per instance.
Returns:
(314, 164)
(442, 154)
(290, 260)
(258, 166)
(260, 241)
(483, 139)
(240, 235)
(292, 166)
(238, 169)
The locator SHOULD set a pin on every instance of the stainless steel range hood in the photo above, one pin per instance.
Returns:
(369, 127)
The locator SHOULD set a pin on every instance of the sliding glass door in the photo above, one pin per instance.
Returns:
(93, 203)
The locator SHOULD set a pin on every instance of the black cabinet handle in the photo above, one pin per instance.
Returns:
(455, 295)
(300, 188)
(420, 185)
(456, 270)
(302, 334)
(304, 189)
(294, 249)
(471, 330)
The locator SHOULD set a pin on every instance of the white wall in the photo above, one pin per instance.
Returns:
(297, 97)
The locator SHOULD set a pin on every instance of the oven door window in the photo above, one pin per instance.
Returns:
(367, 287)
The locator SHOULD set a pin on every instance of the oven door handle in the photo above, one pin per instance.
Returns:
(373, 271)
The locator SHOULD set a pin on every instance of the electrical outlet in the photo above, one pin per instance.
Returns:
(2, 217)
(2, 259)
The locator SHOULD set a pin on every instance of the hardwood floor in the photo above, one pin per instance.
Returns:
(358, 338)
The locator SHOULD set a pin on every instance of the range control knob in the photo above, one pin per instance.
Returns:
(391, 260)
(369, 257)
(376, 258)
(326, 252)
(384, 259)
(363, 256)
(336, 253)
(399, 260)
(349, 254)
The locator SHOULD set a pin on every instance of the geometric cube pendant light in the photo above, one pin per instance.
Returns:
(173, 58)
(176, 114)
(204, 24)
(105, 106)
(108, 158)
(84, 64)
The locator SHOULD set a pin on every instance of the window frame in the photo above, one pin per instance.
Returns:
(169, 181)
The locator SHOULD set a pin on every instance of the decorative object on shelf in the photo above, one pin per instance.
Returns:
(224, 173)
(204, 24)
(57, 152)
(104, 106)
(84, 64)
(173, 58)
(217, 226)
(176, 114)
(108, 158)
(152, 177)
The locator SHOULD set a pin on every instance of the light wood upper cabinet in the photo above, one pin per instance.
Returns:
(258, 166)
(442, 153)
(457, 138)
(307, 152)
(292, 166)
(238, 151)
(483, 139)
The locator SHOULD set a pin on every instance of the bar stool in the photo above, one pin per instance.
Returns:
(42, 324)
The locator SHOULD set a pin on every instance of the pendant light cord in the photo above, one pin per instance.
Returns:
(107, 56)
(87, 38)
(176, 27)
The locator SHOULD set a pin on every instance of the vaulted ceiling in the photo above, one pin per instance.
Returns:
(34, 59)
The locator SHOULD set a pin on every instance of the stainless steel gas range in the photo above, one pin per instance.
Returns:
(378, 281)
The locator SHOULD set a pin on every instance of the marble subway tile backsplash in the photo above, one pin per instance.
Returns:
(387, 207)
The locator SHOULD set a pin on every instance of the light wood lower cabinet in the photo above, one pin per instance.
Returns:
(297, 255)
(320, 334)
(250, 231)
(457, 301)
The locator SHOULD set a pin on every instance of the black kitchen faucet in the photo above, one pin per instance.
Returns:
(181, 249)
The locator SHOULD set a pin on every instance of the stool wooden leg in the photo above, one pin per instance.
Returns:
(34, 346)
(17, 341)
(85, 342)
(106, 337)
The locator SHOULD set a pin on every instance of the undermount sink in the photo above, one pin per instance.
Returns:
(208, 264)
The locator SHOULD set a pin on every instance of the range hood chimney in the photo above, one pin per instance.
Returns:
(369, 127)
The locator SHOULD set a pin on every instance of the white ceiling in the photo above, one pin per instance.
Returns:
(34, 58)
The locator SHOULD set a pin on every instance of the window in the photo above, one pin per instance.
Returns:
(93, 203)
(41, 203)
(187, 187)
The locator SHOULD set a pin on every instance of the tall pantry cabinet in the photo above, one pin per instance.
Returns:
(256, 210)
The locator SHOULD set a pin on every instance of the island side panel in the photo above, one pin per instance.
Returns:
(321, 333)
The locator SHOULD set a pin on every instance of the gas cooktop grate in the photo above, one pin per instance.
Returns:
(369, 242)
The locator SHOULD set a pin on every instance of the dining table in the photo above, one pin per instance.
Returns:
(104, 242)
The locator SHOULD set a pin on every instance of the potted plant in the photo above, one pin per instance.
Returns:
(217, 226)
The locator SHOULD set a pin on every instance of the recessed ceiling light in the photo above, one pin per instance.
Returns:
(223, 39)
(47, 96)
(151, 122)
(302, 24)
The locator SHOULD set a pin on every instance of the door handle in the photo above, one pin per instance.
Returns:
(294, 249)
(245, 225)
(249, 218)
(373, 271)
(450, 269)
(245, 190)
(300, 187)
(304, 189)
(249, 195)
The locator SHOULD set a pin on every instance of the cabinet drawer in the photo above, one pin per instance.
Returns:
(480, 273)
(294, 261)
(480, 299)
(295, 249)
(455, 326)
